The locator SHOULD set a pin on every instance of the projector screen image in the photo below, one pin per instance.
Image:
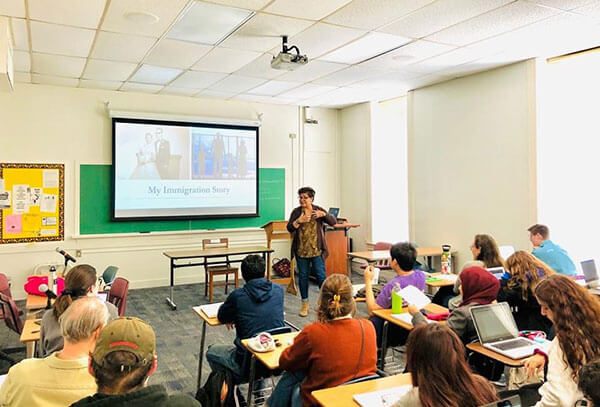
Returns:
(167, 170)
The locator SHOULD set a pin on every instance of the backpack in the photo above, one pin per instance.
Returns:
(218, 391)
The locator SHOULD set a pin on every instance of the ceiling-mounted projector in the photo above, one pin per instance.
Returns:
(286, 60)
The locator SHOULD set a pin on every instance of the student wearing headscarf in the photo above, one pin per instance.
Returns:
(478, 287)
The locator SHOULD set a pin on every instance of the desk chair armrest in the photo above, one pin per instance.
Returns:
(288, 323)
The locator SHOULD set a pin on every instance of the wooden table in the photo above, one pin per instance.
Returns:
(205, 321)
(342, 396)
(442, 282)
(373, 256)
(30, 335)
(199, 257)
(269, 359)
(386, 315)
(478, 347)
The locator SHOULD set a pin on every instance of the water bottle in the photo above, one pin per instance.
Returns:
(396, 299)
(54, 281)
(446, 259)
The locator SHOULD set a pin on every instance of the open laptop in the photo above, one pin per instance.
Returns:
(497, 330)
(498, 272)
(334, 211)
(590, 273)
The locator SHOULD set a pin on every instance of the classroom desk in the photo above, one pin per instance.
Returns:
(35, 302)
(199, 257)
(373, 256)
(477, 347)
(205, 321)
(386, 315)
(341, 396)
(30, 335)
(442, 282)
(269, 359)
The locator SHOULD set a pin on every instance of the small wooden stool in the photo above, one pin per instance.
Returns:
(218, 270)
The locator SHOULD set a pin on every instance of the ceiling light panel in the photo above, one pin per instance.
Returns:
(225, 60)
(236, 84)
(495, 22)
(12, 8)
(263, 32)
(448, 60)
(408, 54)
(108, 70)
(309, 9)
(177, 54)
(260, 68)
(60, 39)
(321, 38)
(57, 65)
(349, 75)
(121, 47)
(273, 88)
(311, 71)
(141, 87)
(172, 90)
(155, 74)
(247, 4)
(439, 15)
(371, 14)
(94, 84)
(365, 47)
(127, 16)
(197, 80)
(54, 80)
(21, 61)
(208, 23)
(76, 13)
(19, 29)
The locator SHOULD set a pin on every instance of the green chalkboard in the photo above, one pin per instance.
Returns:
(95, 205)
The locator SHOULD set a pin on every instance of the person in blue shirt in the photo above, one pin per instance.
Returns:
(550, 253)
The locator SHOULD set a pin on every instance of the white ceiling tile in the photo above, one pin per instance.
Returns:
(439, 15)
(140, 87)
(236, 84)
(349, 75)
(108, 70)
(563, 4)
(307, 91)
(177, 54)
(225, 60)
(121, 47)
(247, 4)
(339, 97)
(197, 80)
(408, 54)
(155, 74)
(495, 22)
(12, 8)
(21, 61)
(392, 80)
(54, 80)
(121, 16)
(592, 10)
(213, 94)
(172, 90)
(426, 80)
(207, 23)
(372, 44)
(68, 12)
(94, 84)
(273, 88)
(309, 9)
(321, 38)
(260, 68)
(19, 29)
(311, 71)
(60, 39)
(370, 14)
(22, 77)
(57, 65)
(448, 60)
(263, 32)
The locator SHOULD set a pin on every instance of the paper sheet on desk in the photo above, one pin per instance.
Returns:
(210, 310)
(413, 295)
(381, 398)
(406, 317)
(448, 277)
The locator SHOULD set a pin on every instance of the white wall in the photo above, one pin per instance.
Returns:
(41, 123)
(472, 159)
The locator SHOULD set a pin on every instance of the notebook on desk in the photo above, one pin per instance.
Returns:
(210, 310)
(381, 398)
(497, 331)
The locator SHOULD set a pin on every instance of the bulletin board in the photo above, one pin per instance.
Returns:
(31, 202)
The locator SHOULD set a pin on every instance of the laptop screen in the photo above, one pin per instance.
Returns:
(498, 272)
(334, 211)
(589, 270)
(494, 322)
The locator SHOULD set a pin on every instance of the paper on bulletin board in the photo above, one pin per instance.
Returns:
(20, 199)
(13, 225)
(48, 203)
(1, 184)
(35, 196)
(48, 232)
(49, 221)
(50, 178)
(4, 199)
(32, 222)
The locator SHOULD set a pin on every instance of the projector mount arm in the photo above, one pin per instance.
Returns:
(285, 48)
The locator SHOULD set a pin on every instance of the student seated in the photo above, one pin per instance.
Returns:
(122, 362)
(454, 302)
(478, 287)
(589, 383)
(256, 307)
(403, 260)
(441, 377)
(80, 281)
(525, 271)
(62, 378)
(550, 253)
(335, 349)
(574, 313)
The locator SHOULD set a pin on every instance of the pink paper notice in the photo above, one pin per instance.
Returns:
(13, 224)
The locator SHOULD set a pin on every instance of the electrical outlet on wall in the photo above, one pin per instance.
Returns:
(78, 253)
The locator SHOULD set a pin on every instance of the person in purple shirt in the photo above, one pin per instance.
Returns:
(403, 260)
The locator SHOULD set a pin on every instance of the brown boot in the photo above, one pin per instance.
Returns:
(304, 310)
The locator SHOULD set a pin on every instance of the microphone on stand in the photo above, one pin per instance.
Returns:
(66, 255)
(44, 289)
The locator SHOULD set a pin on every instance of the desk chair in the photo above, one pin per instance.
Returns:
(13, 322)
(108, 277)
(217, 270)
(381, 264)
(118, 294)
(297, 398)
(4, 289)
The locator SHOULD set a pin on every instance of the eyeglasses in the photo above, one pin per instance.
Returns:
(303, 198)
(581, 403)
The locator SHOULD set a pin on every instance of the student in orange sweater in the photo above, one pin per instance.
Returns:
(335, 349)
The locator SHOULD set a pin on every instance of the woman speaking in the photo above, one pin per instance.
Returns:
(307, 226)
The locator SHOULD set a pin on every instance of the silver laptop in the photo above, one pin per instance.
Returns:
(590, 273)
(497, 330)
(498, 272)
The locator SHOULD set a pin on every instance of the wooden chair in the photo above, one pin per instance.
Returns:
(210, 271)
(118, 294)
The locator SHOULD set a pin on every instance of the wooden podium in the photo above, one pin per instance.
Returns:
(277, 230)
